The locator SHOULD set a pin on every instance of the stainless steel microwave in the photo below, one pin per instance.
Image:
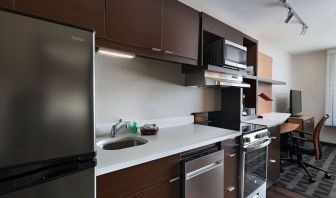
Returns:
(225, 53)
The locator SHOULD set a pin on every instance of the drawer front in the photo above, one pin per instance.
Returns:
(138, 178)
(231, 167)
(166, 189)
(273, 171)
(273, 167)
(231, 176)
(231, 146)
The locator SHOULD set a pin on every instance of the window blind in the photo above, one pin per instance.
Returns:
(330, 103)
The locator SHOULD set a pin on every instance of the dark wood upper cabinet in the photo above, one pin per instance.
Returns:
(221, 29)
(137, 23)
(7, 4)
(180, 33)
(83, 13)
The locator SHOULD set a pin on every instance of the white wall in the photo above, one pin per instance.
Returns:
(146, 89)
(308, 75)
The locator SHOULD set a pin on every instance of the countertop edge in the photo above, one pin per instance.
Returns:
(130, 163)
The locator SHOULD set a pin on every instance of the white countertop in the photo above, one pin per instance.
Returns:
(168, 141)
(270, 119)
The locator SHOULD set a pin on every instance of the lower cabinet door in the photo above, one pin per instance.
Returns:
(167, 189)
(231, 181)
(273, 167)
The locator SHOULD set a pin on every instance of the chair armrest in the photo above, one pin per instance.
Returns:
(307, 133)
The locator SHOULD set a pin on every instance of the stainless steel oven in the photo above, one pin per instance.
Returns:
(225, 53)
(254, 153)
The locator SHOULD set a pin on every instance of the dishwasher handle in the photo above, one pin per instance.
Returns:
(204, 169)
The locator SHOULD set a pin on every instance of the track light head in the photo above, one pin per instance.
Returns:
(290, 16)
(304, 29)
(292, 13)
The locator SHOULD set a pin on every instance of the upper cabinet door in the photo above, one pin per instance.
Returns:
(6, 4)
(221, 29)
(84, 13)
(180, 33)
(136, 23)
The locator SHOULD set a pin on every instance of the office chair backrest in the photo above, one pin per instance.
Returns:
(316, 137)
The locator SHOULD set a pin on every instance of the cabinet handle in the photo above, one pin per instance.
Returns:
(230, 155)
(273, 138)
(272, 161)
(174, 179)
(156, 49)
(230, 188)
(256, 196)
(169, 52)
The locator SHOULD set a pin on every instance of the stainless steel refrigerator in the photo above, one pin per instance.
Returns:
(46, 109)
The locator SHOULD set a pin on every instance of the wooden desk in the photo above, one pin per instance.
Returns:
(288, 127)
(306, 123)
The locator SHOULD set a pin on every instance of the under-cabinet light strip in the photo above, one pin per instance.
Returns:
(115, 53)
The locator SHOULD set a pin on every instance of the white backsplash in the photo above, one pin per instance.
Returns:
(145, 89)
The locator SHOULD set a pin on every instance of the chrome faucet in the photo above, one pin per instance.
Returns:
(117, 127)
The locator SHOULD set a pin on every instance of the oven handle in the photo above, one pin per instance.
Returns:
(259, 146)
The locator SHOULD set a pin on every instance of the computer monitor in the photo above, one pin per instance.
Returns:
(295, 102)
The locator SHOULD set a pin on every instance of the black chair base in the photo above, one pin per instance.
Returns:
(326, 174)
(305, 167)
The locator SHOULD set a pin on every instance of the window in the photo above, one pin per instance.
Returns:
(330, 104)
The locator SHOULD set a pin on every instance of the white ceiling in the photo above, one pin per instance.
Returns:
(265, 19)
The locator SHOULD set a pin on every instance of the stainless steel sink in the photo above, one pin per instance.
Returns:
(121, 143)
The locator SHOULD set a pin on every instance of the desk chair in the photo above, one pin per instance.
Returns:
(308, 144)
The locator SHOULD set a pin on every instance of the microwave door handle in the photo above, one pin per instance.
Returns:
(259, 146)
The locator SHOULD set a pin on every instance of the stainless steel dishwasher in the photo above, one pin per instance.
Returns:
(203, 175)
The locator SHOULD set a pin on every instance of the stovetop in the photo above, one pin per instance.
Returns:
(245, 128)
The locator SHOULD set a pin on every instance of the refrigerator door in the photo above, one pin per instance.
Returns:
(81, 185)
(46, 86)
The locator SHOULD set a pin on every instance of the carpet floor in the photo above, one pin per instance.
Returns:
(295, 179)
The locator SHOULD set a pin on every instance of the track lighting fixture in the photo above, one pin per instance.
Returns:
(292, 13)
(290, 16)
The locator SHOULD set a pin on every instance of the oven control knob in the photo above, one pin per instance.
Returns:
(247, 139)
(258, 136)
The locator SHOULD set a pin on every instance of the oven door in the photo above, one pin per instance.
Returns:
(235, 55)
(254, 170)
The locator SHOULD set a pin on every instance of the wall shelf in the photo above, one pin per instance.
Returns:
(264, 80)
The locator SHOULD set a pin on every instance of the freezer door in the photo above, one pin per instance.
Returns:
(46, 86)
(81, 185)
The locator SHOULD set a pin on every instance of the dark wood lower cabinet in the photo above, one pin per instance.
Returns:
(144, 180)
(273, 168)
(231, 167)
(166, 189)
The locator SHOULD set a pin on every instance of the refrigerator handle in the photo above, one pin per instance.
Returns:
(43, 175)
